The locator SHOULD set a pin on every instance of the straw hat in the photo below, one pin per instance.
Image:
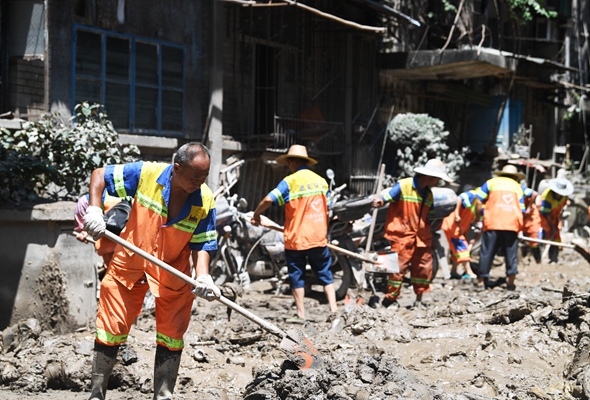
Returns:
(295, 151)
(434, 168)
(510, 171)
(561, 186)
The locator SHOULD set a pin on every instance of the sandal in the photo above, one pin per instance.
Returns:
(295, 320)
(455, 276)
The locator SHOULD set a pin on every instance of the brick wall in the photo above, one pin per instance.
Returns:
(27, 87)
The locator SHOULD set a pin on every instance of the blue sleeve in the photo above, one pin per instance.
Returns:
(280, 194)
(205, 234)
(483, 192)
(122, 179)
(394, 194)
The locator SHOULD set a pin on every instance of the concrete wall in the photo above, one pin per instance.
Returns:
(47, 273)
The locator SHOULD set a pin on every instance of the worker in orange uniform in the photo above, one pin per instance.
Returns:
(408, 228)
(173, 218)
(303, 193)
(103, 246)
(531, 222)
(455, 226)
(553, 200)
(502, 221)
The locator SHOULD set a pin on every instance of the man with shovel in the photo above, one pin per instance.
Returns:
(173, 219)
(553, 200)
(408, 228)
(303, 193)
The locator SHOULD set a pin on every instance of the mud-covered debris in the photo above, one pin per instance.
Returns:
(236, 361)
(370, 377)
(84, 347)
(199, 355)
(232, 290)
(51, 289)
(128, 355)
(8, 372)
(246, 338)
(581, 359)
(511, 313)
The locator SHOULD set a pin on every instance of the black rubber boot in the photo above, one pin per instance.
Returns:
(165, 372)
(537, 254)
(553, 253)
(103, 362)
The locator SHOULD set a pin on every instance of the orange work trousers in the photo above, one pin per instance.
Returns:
(419, 260)
(118, 307)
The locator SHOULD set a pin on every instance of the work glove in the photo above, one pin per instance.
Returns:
(94, 222)
(206, 289)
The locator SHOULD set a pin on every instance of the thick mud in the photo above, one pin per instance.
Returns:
(531, 343)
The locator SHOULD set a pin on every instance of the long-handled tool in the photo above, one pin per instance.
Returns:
(270, 224)
(577, 248)
(294, 343)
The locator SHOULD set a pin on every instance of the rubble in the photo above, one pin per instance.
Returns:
(533, 343)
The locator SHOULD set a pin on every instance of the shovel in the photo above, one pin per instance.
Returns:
(578, 249)
(270, 224)
(293, 342)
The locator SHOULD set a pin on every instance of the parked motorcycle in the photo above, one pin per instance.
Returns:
(247, 252)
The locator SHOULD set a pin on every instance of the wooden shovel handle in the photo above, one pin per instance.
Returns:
(254, 318)
(349, 253)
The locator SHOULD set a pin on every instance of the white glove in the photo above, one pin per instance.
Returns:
(94, 222)
(206, 289)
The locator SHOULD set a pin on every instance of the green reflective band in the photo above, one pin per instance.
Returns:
(411, 199)
(420, 281)
(307, 193)
(185, 226)
(151, 204)
(169, 342)
(387, 198)
(204, 237)
(119, 181)
(278, 196)
(107, 337)
(394, 283)
(481, 194)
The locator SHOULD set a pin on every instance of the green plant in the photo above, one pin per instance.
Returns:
(52, 159)
(418, 138)
(523, 10)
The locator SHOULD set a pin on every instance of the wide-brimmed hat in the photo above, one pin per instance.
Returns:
(510, 171)
(295, 151)
(435, 168)
(561, 186)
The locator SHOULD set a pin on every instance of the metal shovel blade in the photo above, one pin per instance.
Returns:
(300, 350)
(294, 343)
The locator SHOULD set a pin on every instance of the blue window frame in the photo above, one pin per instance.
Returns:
(139, 81)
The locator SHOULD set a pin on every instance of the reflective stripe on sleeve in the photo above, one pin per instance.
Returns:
(277, 194)
(119, 181)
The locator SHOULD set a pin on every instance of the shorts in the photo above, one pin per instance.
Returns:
(320, 260)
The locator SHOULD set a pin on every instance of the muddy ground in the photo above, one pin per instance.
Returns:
(531, 343)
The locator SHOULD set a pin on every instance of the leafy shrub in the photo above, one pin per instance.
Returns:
(51, 159)
(418, 138)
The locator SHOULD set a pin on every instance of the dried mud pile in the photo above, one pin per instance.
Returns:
(532, 343)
